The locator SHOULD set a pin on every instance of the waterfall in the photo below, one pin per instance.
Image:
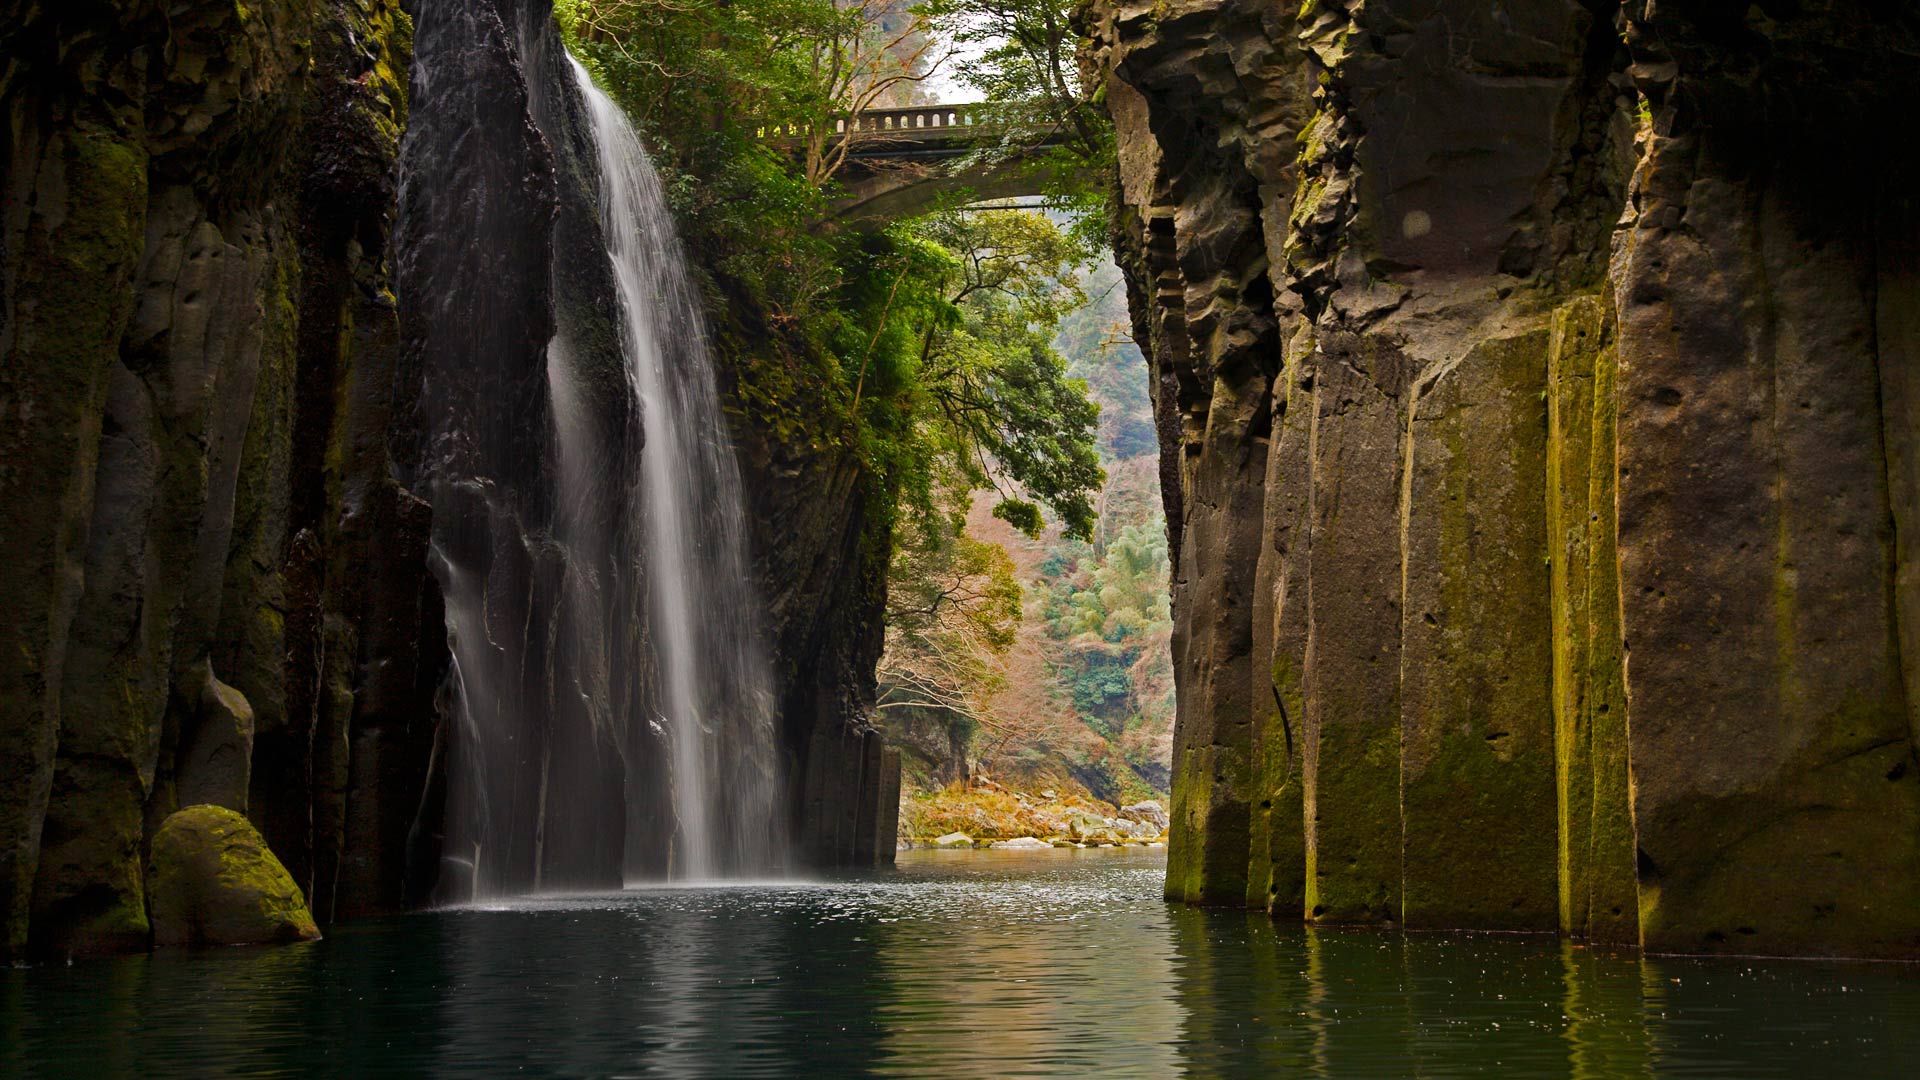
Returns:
(715, 688)
(611, 706)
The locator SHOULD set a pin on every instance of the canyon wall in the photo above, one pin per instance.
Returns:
(215, 587)
(249, 387)
(1537, 429)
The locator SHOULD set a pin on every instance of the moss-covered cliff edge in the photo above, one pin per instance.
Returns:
(1532, 384)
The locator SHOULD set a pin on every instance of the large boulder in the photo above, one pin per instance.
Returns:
(212, 881)
(1149, 813)
(1082, 826)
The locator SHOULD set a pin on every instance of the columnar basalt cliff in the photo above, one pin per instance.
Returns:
(1534, 392)
(254, 394)
(215, 588)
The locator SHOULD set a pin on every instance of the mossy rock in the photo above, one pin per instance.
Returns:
(212, 881)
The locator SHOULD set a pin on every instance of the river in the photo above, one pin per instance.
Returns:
(965, 964)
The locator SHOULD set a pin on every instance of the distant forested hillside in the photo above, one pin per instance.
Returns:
(1076, 689)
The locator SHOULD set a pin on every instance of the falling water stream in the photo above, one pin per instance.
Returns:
(614, 701)
(716, 686)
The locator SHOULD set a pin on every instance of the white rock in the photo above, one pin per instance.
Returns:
(953, 839)
(1023, 843)
(1149, 812)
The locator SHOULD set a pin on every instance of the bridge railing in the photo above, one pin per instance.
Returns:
(918, 122)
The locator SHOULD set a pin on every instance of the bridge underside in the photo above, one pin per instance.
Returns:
(878, 191)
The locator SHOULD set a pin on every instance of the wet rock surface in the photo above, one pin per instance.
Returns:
(1502, 355)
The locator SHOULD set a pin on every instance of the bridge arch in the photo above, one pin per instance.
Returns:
(904, 161)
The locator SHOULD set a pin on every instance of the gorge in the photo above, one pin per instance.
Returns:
(455, 481)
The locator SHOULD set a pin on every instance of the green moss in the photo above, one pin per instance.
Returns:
(1820, 861)
(1313, 192)
(70, 301)
(1613, 915)
(1279, 847)
(214, 882)
(1477, 735)
(87, 255)
(1353, 850)
(1577, 335)
(1188, 836)
(1351, 743)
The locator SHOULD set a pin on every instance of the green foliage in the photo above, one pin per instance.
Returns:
(1000, 404)
(924, 349)
(1023, 61)
(1117, 594)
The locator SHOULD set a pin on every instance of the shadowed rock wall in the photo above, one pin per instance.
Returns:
(1537, 449)
(821, 561)
(215, 588)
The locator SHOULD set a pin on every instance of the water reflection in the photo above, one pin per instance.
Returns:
(1606, 1035)
(1053, 964)
(970, 964)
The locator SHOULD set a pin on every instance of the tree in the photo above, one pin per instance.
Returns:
(952, 607)
(781, 71)
(866, 53)
(1024, 64)
(1001, 412)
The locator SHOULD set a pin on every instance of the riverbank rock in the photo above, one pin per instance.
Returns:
(953, 840)
(1024, 843)
(212, 881)
(1091, 829)
(1148, 812)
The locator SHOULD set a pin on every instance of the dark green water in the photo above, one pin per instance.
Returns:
(963, 964)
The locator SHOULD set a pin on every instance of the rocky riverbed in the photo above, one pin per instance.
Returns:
(986, 814)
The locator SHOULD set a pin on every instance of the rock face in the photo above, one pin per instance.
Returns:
(213, 882)
(1537, 436)
(216, 746)
(1149, 813)
(821, 564)
(493, 185)
(215, 589)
